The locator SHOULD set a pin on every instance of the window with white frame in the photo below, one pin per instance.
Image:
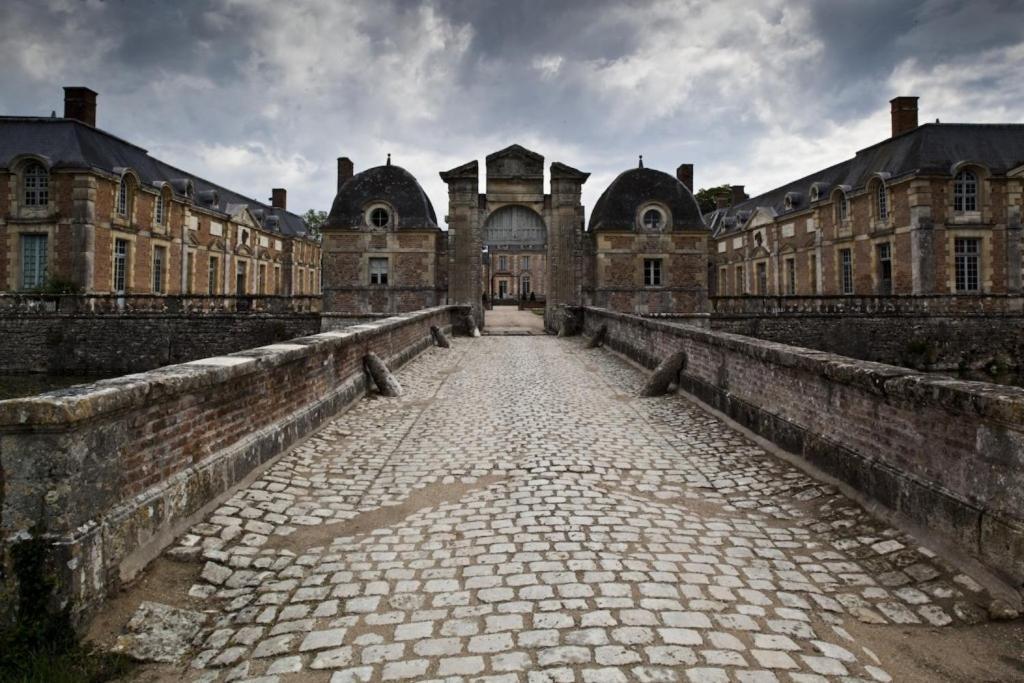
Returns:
(967, 264)
(843, 207)
(159, 268)
(653, 219)
(965, 191)
(881, 201)
(846, 271)
(37, 185)
(378, 271)
(214, 275)
(161, 209)
(120, 266)
(502, 263)
(33, 261)
(123, 196)
(652, 272)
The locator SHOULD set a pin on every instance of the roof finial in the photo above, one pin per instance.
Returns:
(641, 161)
(389, 158)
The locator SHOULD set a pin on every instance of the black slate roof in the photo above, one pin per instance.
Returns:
(932, 149)
(71, 144)
(391, 184)
(617, 206)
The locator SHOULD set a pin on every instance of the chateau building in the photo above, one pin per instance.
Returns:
(645, 249)
(934, 209)
(82, 208)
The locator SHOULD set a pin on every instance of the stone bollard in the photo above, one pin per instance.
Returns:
(597, 341)
(666, 373)
(387, 383)
(439, 337)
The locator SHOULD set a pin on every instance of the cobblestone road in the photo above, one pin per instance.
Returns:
(519, 516)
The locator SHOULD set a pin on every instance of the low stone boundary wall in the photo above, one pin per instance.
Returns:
(946, 454)
(936, 332)
(109, 473)
(136, 341)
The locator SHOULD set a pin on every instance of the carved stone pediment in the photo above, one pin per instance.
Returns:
(515, 162)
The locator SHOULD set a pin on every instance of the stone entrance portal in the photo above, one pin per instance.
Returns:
(490, 234)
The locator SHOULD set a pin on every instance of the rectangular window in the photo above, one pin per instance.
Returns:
(741, 287)
(241, 278)
(37, 185)
(791, 276)
(277, 279)
(503, 263)
(524, 286)
(884, 268)
(120, 265)
(122, 197)
(214, 275)
(762, 278)
(526, 263)
(263, 278)
(723, 280)
(814, 273)
(846, 271)
(161, 210)
(502, 289)
(159, 266)
(652, 272)
(33, 261)
(967, 260)
(378, 271)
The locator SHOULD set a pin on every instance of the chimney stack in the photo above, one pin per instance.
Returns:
(279, 198)
(738, 195)
(904, 114)
(345, 171)
(721, 200)
(685, 175)
(80, 104)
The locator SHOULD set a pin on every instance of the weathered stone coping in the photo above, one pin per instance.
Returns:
(64, 407)
(946, 455)
(984, 399)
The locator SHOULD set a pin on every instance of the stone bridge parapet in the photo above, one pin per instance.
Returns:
(109, 473)
(947, 455)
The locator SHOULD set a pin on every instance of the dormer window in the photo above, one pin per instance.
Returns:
(123, 196)
(843, 207)
(379, 217)
(965, 191)
(882, 202)
(161, 209)
(653, 219)
(37, 185)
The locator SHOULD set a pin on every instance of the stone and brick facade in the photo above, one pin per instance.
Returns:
(83, 209)
(645, 249)
(935, 209)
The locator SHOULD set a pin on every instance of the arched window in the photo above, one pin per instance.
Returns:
(965, 191)
(162, 206)
(37, 185)
(123, 196)
(842, 206)
(380, 217)
(881, 202)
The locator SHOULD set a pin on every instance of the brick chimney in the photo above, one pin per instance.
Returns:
(279, 198)
(80, 104)
(738, 195)
(904, 114)
(722, 200)
(685, 175)
(345, 171)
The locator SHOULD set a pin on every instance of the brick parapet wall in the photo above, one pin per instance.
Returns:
(946, 454)
(110, 472)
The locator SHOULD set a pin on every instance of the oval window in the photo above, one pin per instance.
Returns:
(652, 219)
(380, 217)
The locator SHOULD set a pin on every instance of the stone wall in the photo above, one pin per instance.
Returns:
(946, 454)
(112, 343)
(940, 332)
(109, 473)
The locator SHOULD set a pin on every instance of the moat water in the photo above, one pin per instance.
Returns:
(30, 384)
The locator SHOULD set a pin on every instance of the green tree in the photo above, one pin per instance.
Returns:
(706, 197)
(314, 220)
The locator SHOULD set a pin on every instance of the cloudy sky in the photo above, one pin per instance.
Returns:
(254, 94)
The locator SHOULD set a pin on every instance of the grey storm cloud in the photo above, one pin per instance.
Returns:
(256, 95)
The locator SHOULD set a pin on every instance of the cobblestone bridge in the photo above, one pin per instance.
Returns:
(518, 515)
